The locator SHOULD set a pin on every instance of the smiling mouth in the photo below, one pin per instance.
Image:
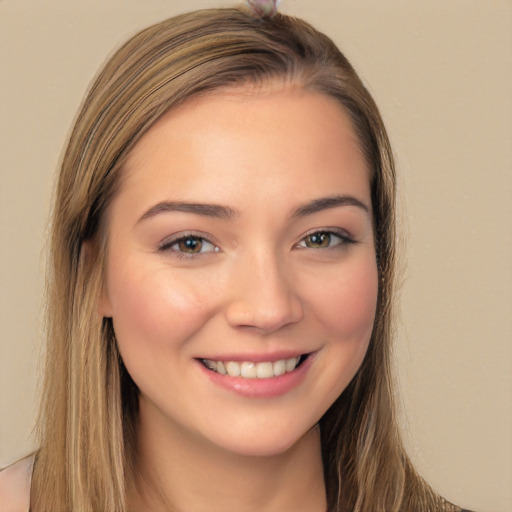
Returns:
(253, 370)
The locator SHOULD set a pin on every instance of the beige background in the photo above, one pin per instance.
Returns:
(441, 71)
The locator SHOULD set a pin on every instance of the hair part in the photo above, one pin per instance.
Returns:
(89, 406)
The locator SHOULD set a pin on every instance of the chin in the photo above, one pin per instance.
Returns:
(268, 444)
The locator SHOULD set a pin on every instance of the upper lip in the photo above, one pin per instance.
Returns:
(255, 357)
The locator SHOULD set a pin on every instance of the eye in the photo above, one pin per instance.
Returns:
(188, 245)
(324, 240)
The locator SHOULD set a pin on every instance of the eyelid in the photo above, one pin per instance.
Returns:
(166, 243)
(342, 234)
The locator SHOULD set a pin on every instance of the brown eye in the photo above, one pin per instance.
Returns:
(319, 240)
(190, 244)
(326, 240)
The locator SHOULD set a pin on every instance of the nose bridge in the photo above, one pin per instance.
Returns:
(264, 295)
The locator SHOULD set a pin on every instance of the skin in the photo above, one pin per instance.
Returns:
(259, 286)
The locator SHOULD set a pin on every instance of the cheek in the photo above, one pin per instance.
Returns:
(348, 315)
(153, 311)
(347, 308)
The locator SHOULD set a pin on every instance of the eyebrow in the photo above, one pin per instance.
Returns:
(208, 210)
(224, 212)
(326, 203)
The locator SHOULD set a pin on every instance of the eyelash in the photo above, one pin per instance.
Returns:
(343, 239)
(166, 245)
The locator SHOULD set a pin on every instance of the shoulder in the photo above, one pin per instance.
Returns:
(15, 486)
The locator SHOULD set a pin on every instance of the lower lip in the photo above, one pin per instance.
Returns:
(260, 388)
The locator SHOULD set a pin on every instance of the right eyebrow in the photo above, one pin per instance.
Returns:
(208, 210)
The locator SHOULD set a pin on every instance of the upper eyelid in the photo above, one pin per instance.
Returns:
(344, 236)
(185, 234)
(341, 232)
(172, 239)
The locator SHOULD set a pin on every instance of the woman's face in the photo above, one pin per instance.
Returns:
(241, 241)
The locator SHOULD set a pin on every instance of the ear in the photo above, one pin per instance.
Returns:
(90, 253)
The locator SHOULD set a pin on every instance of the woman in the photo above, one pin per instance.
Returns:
(220, 303)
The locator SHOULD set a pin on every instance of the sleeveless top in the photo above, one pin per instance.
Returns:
(15, 483)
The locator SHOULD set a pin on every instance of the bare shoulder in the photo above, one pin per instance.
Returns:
(15, 486)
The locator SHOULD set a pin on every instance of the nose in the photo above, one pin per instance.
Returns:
(263, 296)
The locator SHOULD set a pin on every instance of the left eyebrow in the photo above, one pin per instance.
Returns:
(325, 203)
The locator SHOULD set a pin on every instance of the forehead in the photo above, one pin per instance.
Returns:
(250, 137)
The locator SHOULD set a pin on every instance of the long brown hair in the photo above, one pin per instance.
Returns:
(89, 402)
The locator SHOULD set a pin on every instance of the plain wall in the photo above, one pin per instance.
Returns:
(441, 72)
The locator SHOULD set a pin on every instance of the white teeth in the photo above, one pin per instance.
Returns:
(264, 370)
(291, 363)
(210, 364)
(220, 367)
(279, 368)
(248, 370)
(233, 369)
(251, 370)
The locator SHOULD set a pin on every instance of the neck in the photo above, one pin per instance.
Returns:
(177, 471)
